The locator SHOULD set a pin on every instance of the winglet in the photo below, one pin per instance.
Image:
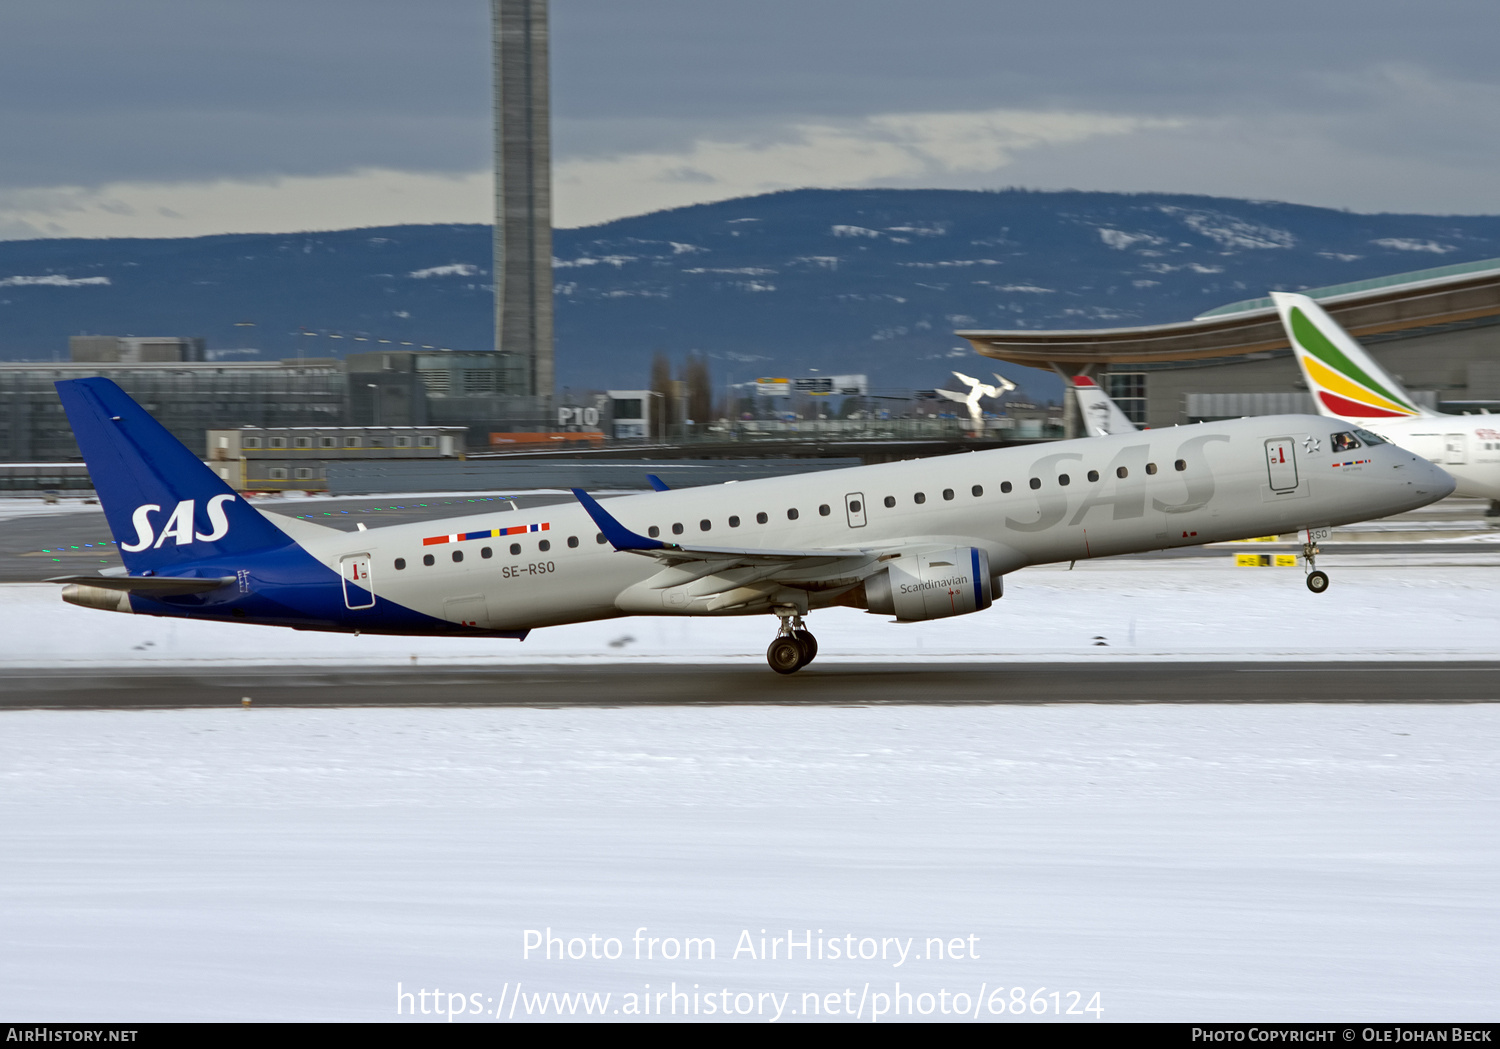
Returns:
(620, 537)
(657, 484)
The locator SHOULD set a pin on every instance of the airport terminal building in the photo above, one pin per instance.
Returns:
(1436, 330)
(478, 390)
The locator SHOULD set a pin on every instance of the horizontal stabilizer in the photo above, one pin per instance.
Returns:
(149, 586)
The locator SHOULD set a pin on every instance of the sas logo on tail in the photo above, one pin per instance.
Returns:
(179, 525)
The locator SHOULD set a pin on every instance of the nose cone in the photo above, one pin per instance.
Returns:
(1428, 479)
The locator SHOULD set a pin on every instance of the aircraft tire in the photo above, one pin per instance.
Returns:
(1317, 582)
(785, 655)
(809, 645)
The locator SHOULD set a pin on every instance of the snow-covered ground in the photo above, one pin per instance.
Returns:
(1429, 607)
(1250, 862)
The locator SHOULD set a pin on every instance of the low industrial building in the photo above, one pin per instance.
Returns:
(278, 459)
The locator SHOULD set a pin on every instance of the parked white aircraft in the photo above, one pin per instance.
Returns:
(1346, 383)
(916, 540)
(1101, 415)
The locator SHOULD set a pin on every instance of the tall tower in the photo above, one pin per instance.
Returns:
(523, 189)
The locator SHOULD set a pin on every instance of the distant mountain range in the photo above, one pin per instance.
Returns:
(871, 281)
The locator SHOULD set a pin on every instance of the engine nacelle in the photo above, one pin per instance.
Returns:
(932, 586)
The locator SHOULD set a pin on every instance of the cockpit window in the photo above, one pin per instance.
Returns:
(1343, 442)
(1370, 438)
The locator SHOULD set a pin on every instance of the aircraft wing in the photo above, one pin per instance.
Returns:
(726, 578)
(961, 398)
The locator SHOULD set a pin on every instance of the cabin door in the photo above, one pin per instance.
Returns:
(358, 593)
(1456, 450)
(1281, 461)
(854, 507)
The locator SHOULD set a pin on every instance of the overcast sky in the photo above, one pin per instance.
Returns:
(184, 117)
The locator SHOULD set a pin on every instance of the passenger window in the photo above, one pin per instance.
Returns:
(486, 553)
(458, 555)
(734, 522)
(1151, 468)
(855, 506)
(400, 563)
(1093, 475)
(1004, 487)
(544, 545)
(1122, 472)
(653, 531)
(704, 525)
(919, 498)
(677, 528)
(978, 490)
(947, 493)
(1036, 482)
(572, 543)
(599, 538)
(823, 510)
(427, 560)
(890, 500)
(515, 548)
(1064, 480)
(1181, 465)
(791, 515)
(761, 518)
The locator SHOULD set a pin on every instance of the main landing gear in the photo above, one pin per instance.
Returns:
(794, 647)
(1317, 581)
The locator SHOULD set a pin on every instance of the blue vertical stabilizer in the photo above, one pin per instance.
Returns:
(164, 506)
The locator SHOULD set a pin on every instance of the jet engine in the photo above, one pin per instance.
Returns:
(933, 585)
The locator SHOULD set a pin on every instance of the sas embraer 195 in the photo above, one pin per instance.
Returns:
(1346, 383)
(915, 540)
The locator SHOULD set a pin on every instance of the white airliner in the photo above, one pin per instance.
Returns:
(1346, 383)
(915, 540)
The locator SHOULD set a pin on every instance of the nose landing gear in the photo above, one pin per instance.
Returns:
(1317, 581)
(794, 646)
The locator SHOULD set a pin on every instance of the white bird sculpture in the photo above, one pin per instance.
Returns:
(978, 390)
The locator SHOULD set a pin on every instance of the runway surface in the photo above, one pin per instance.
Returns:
(833, 684)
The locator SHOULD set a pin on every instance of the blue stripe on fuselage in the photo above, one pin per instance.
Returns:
(287, 586)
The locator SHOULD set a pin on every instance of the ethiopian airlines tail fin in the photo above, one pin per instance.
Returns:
(1101, 415)
(163, 505)
(1345, 381)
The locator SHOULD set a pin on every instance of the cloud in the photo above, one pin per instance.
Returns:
(374, 197)
(881, 150)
